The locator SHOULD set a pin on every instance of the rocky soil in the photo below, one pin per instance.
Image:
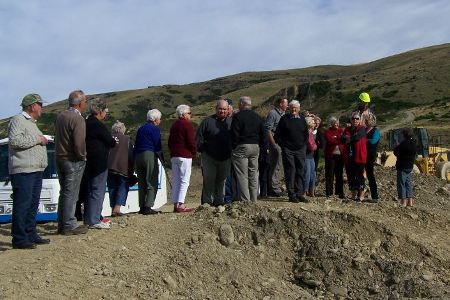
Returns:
(326, 249)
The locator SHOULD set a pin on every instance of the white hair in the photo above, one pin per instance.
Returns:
(332, 120)
(153, 115)
(310, 121)
(118, 127)
(294, 103)
(182, 109)
(246, 101)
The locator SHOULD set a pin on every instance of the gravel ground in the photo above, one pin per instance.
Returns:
(326, 249)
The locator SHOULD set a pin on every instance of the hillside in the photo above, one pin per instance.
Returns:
(417, 81)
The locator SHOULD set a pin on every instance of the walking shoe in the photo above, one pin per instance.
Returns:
(294, 200)
(41, 241)
(82, 229)
(100, 225)
(275, 194)
(105, 220)
(25, 246)
(180, 208)
(148, 211)
(302, 198)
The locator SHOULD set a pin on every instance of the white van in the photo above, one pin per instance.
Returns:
(48, 206)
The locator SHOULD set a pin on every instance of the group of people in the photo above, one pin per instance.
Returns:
(239, 150)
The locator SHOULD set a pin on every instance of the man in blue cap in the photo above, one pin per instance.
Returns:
(27, 161)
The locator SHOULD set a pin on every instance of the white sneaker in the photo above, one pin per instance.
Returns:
(100, 225)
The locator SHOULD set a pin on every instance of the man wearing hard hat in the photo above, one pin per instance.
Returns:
(363, 107)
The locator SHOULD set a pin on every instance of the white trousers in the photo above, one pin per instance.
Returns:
(181, 174)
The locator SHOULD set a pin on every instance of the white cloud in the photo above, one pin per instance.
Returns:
(52, 47)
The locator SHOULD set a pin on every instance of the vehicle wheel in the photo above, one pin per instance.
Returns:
(443, 170)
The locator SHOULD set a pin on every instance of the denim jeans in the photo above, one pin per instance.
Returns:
(69, 175)
(310, 175)
(26, 195)
(404, 184)
(96, 196)
(118, 189)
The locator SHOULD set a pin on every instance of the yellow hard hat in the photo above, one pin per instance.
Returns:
(364, 97)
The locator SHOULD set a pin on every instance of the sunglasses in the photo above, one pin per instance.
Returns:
(355, 118)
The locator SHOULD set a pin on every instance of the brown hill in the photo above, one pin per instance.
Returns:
(417, 81)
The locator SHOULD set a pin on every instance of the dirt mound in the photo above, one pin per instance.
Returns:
(269, 250)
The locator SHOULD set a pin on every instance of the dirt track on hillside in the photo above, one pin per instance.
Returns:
(270, 250)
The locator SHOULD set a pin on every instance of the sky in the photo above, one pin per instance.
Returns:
(52, 47)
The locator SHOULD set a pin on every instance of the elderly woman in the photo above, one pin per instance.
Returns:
(147, 148)
(292, 136)
(356, 150)
(334, 159)
(120, 166)
(98, 143)
(310, 168)
(320, 141)
(182, 147)
(372, 138)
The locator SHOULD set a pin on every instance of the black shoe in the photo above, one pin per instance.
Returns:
(293, 200)
(82, 229)
(25, 246)
(275, 194)
(302, 198)
(148, 211)
(41, 241)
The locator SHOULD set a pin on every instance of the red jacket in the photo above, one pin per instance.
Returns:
(357, 143)
(332, 139)
(182, 139)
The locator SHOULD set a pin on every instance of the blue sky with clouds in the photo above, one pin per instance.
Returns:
(54, 46)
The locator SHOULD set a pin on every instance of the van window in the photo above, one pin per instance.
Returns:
(49, 172)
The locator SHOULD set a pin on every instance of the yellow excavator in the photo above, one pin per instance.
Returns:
(432, 159)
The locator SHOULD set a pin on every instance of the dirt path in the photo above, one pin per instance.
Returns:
(409, 116)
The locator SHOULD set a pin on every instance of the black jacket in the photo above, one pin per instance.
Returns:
(247, 127)
(213, 138)
(406, 154)
(292, 133)
(98, 143)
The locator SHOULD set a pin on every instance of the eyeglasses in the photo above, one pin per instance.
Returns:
(355, 118)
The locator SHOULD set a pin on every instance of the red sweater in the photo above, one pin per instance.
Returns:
(333, 138)
(357, 145)
(182, 139)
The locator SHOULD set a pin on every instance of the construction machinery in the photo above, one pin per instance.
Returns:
(432, 158)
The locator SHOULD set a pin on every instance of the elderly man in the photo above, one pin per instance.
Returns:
(272, 119)
(247, 132)
(70, 146)
(214, 142)
(292, 136)
(27, 161)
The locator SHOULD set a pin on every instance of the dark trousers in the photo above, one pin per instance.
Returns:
(264, 178)
(334, 168)
(355, 173)
(26, 194)
(371, 178)
(147, 170)
(293, 164)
